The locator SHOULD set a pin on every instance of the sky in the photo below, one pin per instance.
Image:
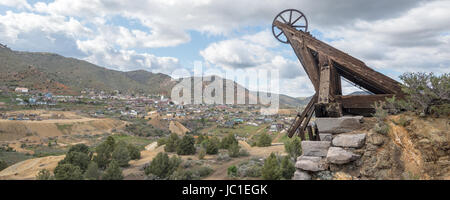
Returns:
(392, 37)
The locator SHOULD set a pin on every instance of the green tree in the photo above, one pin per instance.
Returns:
(68, 172)
(232, 171)
(233, 150)
(186, 146)
(76, 158)
(92, 172)
(227, 141)
(121, 154)
(172, 143)
(135, 154)
(293, 147)
(113, 171)
(264, 140)
(271, 169)
(212, 146)
(287, 168)
(162, 166)
(82, 148)
(104, 152)
(44, 174)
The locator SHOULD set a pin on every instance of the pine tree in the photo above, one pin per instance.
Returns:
(92, 172)
(172, 143)
(121, 154)
(287, 168)
(113, 171)
(271, 169)
(186, 146)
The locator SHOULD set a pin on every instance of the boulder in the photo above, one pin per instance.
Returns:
(310, 163)
(349, 140)
(301, 175)
(339, 125)
(338, 155)
(325, 136)
(315, 148)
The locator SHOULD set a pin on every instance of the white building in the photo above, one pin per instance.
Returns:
(21, 90)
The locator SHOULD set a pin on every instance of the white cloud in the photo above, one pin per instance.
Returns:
(21, 4)
(102, 53)
(418, 40)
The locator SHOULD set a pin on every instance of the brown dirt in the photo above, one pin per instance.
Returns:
(178, 128)
(28, 169)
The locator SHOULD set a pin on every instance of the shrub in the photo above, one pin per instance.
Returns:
(287, 168)
(233, 150)
(381, 128)
(82, 148)
(68, 172)
(212, 146)
(425, 92)
(203, 171)
(135, 153)
(232, 171)
(227, 141)
(113, 171)
(121, 154)
(77, 159)
(251, 168)
(181, 174)
(186, 146)
(162, 166)
(271, 169)
(293, 147)
(162, 141)
(92, 172)
(264, 140)
(44, 174)
(380, 113)
(172, 143)
(223, 157)
(104, 152)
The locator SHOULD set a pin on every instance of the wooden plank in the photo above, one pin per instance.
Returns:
(361, 101)
(324, 88)
(300, 118)
(358, 68)
(307, 60)
(335, 81)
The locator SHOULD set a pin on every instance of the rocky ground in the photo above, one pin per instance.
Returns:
(417, 148)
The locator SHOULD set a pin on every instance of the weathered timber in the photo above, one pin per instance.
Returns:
(324, 87)
(300, 118)
(380, 84)
(361, 101)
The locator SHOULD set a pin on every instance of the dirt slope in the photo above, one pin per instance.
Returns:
(28, 169)
(178, 128)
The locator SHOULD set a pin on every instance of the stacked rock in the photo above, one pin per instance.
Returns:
(332, 149)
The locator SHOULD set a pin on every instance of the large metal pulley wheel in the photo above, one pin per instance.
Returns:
(292, 18)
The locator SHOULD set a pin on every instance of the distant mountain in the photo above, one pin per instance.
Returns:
(360, 93)
(74, 74)
(62, 75)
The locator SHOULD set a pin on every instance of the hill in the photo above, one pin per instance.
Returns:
(62, 75)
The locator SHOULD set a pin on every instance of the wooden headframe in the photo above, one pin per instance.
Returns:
(325, 65)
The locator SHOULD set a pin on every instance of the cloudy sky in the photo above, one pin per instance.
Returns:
(392, 37)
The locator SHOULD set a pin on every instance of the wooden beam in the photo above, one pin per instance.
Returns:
(382, 83)
(301, 117)
(307, 60)
(324, 88)
(361, 101)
